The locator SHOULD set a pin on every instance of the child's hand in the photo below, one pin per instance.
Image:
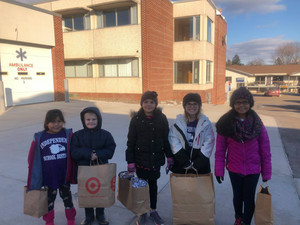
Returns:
(94, 156)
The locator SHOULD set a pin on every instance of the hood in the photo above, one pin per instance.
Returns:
(92, 110)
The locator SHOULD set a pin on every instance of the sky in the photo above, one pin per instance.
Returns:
(255, 28)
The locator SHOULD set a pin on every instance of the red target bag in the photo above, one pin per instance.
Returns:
(96, 185)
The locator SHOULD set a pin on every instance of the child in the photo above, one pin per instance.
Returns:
(147, 146)
(192, 138)
(243, 147)
(92, 143)
(50, 164)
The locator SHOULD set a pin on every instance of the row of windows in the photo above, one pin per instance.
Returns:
(186, 29)
(184, 72)
(105, 18)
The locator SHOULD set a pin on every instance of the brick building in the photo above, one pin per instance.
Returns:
(117, 49)
(31, 54)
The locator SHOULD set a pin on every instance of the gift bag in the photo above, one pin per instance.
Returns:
(96, 185)
(193, 199)
(136, 199)
(35, 202)
(263, 214)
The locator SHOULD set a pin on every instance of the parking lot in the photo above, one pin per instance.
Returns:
(286, 111)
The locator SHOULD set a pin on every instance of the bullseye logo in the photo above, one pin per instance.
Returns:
(92, 185)
(113, 184)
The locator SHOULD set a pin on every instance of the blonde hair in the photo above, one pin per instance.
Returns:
(197, 116)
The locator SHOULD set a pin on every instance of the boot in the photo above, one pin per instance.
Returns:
(49, 218)
(70, 215)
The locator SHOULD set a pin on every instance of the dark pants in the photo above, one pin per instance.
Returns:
(64, 193)
(244, 195)
(89, 213)
(151, 177)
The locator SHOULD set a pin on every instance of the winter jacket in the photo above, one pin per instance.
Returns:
(35, 173)
(148, 143)
(201, 150)
(86, 140)
(249, 157)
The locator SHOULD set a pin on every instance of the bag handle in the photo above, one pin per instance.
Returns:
(93, 163)
(193, 169)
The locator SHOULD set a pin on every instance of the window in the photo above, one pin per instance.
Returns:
(40, 73)
(3, 73)
(78, 69)
(75, 23)
(208, 71)
(117, 17)
(118, 67)
(228, 79)
(209, 26)
(187, 28)
(260, 80)
(186, 72)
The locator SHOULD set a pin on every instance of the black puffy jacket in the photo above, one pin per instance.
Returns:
(148, 143)
(86, 140)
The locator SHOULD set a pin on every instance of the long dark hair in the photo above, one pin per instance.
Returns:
(51, 117)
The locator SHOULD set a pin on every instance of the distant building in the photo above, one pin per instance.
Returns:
(117, 49)
(31, 54)
(287, 77)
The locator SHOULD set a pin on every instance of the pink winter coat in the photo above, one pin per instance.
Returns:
(251, 157)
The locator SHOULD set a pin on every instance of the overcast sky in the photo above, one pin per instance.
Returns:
(256, 27)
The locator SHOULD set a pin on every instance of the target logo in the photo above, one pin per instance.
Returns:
(113, 184)
(92, 185)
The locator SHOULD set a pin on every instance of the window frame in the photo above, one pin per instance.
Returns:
(195, 71)
(196, 25)
(134, 67)
(86, 22)
(89, 69)
(209, 30)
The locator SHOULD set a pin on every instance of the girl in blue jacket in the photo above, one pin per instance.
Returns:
(50, 164)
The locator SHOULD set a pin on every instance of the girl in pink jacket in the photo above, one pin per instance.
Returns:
(242, 146)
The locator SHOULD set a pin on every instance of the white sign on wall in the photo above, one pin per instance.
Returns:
(27, 74)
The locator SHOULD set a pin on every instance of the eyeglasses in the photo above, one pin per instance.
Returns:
(191, 104)
(242, 103)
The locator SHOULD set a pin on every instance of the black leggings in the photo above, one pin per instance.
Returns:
(64, 193)
(151, 177)
(244, 195)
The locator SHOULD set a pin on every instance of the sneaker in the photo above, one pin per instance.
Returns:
(238, 221)
(142, 219)
(156, 218)
(86, 221)
(102, 220)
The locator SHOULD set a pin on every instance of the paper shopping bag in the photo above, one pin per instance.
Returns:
(96, 185)
(35, 202)
(136, 199)
(193, 199)
(263, 214)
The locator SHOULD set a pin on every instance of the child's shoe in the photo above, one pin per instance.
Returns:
(142, 220)
(87, 221)
(156, 218)
(238, 221)
(102, 220)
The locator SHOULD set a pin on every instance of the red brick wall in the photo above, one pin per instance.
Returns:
(218, 92)
(157, 47)
(58, 61)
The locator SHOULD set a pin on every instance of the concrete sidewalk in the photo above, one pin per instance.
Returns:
(18, 124)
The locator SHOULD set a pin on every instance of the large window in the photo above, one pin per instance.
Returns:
(209, 28)
(260, 80)
(78, 69)
(187, 28)
(186, 72)
(75, 23)
(118, 67)
(117, 17)
(208, 71)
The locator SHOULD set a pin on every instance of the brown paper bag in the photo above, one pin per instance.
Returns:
(193, 199)
(96, 185)
(35, 202)
(134, 199)
(263, 214)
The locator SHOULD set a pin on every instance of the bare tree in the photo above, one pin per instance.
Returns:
(288, 53)
(256, 62)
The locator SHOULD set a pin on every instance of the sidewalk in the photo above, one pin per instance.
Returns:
(19, 123)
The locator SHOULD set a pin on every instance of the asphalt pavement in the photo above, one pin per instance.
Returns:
(18, 124)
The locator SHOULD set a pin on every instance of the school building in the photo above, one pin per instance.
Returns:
(31, 54)
(117, 49)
